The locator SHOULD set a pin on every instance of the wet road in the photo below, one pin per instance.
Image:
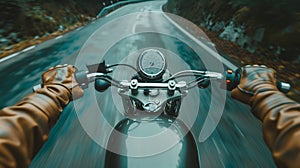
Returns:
(236, 142)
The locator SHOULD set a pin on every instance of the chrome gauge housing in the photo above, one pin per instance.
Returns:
(151, 64)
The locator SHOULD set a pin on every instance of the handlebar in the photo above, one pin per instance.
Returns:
(202, 79)
(232, 80)
(84, 78)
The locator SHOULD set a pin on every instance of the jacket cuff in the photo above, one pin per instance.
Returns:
(51, 100)
(268, 101)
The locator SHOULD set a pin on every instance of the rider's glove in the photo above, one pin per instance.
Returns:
(26, 125)
(254, 80)
(63, 75)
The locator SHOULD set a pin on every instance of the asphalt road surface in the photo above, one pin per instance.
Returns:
(236, 142)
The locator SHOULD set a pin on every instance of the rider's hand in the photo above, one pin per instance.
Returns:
(63, 75)
(254, 79)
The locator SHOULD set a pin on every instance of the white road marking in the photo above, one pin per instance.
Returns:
(9, 57)
(239, 130)
(111, 13)
(16, 54)
(58, 37)
(216, 145)
(209, 50)
(29, 48)
(133, 28)
(79, 28)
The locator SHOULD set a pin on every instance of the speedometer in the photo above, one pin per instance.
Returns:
(152, 64)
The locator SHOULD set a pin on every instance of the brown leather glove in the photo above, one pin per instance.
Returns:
(63, 75)
(280, 115)
(254, 79)
(25, 127)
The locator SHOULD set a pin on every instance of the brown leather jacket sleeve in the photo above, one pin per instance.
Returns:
(281, 126)
(25, 126)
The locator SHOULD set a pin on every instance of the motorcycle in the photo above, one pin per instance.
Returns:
(151, 100)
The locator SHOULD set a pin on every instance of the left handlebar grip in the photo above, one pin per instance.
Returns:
(37, 87)
(80, 77)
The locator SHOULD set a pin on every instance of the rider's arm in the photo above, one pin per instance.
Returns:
(281, 126)
(25, 126)
(279, 114)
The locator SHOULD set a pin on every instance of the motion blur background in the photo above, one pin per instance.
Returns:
(38, 34)
(245, 31)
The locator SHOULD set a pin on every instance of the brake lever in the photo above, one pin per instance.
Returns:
(100, 68)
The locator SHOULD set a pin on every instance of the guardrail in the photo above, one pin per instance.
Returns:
(118, 4)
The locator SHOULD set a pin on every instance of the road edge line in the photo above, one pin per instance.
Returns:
(58, 37)
(16, 54)
(9, 57)
(111, 13)
(28, 48)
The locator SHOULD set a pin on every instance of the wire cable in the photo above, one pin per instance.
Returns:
(125, 65)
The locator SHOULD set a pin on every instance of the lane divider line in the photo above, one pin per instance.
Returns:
(209, 50)
(133, 28)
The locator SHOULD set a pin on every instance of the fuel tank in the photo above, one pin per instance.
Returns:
(163, 142)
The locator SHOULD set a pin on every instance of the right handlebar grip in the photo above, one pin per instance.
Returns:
(233, 79)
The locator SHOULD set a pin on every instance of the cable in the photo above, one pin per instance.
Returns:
(190, 72)
(181, 76)
(126, 65)
(198, 80)
(186, 73)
